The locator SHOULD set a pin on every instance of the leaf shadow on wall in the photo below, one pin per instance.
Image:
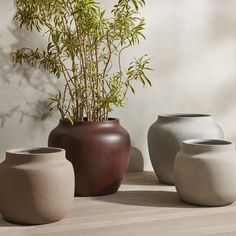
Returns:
(222, 36)
(24, 90)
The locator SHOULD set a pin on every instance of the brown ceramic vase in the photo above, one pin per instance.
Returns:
(99, 152)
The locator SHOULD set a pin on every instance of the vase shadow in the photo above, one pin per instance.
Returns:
(146, 198)
(4, 223)
(136, 162)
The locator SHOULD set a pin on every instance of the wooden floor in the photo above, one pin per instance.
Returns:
(141, 207)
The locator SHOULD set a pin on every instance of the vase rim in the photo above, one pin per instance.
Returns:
(207, 142)
(184, 115)
(35, 151)
(208, 145)
(110, 120)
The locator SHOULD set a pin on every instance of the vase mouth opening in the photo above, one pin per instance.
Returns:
(35, 151)
(184, 115)
(85, 121)
(207, 142)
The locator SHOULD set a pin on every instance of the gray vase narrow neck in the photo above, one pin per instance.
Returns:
(207, 145)
(184, 117)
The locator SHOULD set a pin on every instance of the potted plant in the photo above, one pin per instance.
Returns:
(83, 45)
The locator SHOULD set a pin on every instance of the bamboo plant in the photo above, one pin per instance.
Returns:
(83, 45)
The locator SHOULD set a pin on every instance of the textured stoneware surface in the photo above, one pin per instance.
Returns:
(36, 185)
(166, 135)
(205, 172)
(99, 152)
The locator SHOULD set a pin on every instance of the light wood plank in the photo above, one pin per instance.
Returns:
(141, 207)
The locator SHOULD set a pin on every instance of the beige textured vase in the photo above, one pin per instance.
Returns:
(165, 137)
(205, 172)
(36, 185)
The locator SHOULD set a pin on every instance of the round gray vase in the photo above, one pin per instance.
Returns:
(165, 137)
(205, 172)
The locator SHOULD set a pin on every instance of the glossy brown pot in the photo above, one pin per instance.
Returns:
(99, 152)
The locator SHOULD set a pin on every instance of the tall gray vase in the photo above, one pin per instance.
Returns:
(165, 137)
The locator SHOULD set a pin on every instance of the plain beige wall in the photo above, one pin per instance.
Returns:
(193, 50)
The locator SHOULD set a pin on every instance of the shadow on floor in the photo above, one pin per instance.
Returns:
(7, 224)
(4, 223)
(146, 198)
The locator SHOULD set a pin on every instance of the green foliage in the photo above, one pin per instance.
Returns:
(83, 42)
